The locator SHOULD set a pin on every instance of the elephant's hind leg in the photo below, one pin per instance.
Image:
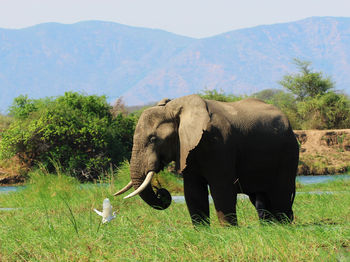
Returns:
(281, 205)
(197, 198)
(282, 197)
(284, 214)
(262, 205)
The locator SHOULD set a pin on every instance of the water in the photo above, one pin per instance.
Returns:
(305, 180)
(7, 208)
(8, 189)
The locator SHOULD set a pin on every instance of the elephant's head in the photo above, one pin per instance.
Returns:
(164, 133)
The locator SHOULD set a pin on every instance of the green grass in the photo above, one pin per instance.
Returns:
(55, 222)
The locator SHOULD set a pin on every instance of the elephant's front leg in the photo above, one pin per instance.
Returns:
(225, 202)
(197, 198)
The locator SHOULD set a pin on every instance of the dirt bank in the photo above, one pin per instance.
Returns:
(324, 152)
(11, 179)
(12, 172)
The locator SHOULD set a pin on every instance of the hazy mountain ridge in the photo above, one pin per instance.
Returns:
(145, 65)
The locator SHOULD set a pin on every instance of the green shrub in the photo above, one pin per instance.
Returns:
(22, 106)
(75, 130)
(5, 122)
(327, 111)
(219, 96)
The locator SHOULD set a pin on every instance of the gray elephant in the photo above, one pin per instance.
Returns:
(240, 147)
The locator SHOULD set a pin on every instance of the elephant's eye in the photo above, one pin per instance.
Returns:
(152, 139)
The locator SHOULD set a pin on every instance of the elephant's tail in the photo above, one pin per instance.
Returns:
(292, 197)
(290, 214)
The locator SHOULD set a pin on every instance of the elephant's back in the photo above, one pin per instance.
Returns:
(255, 108)
(252, 115)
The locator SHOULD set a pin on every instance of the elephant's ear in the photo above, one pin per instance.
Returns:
(194, 118)
(163, 102)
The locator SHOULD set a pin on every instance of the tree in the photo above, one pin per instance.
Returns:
(317, 105)
(306, 83)
(119, 107)
(74, 130)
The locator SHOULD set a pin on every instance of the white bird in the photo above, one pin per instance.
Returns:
(106, 213)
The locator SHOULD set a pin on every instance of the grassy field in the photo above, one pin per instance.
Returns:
(55, 222)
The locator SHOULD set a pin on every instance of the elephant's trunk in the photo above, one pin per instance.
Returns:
(160, 200)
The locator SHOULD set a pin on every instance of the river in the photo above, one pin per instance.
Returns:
(305, 180)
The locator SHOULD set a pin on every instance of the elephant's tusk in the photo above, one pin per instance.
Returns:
(126, 188)
(145, 183)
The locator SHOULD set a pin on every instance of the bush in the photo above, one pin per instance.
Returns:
(75, 130)
(219, 96)
(5, 122)
(327, 111)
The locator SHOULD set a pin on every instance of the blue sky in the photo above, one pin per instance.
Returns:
(195, 18)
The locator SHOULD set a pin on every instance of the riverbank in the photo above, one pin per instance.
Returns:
(322, 152)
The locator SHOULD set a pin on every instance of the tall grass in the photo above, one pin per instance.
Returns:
(55, 222)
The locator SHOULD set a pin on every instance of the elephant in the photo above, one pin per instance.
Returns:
(228, 148)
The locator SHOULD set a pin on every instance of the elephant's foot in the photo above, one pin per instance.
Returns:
(228, 219)
(266, 216)
(200, 220)
(284, 217)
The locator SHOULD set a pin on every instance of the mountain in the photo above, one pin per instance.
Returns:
(144, 65)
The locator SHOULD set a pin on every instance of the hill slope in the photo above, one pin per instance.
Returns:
(146, 65)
